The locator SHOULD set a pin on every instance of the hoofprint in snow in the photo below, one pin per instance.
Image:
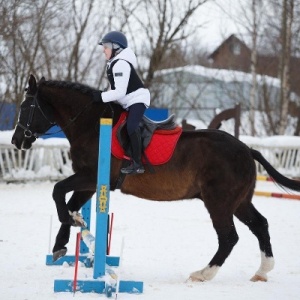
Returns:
(165, 242)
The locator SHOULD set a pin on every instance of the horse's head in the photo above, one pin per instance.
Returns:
(35, 117)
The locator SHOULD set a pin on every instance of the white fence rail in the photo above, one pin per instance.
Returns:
(47, 160)
(50, 160)
(282, 152)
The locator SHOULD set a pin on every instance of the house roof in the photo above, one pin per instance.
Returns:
(230, 39)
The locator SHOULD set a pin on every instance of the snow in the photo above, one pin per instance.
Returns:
(222, 75)
(164, 243)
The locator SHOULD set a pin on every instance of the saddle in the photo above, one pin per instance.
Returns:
(159, 139)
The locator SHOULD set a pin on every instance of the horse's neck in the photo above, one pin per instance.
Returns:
(86, 126)
(78, 115)
(73, 112)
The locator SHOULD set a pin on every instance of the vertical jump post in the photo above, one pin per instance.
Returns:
(102, 204)
(102, 262)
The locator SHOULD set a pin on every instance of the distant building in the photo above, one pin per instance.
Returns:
(197, 92)
(234, 54)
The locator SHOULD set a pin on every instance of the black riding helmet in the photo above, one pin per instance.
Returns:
(115, 37)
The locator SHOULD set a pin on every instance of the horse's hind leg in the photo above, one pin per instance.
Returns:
(258, 224)
(77, 200)
(227, 237)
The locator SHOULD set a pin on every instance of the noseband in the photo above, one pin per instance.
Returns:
(35, 104)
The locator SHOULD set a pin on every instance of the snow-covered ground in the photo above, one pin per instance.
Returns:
(164, 243)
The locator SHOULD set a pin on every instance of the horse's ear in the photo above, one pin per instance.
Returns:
(32, 84)
(42, 80)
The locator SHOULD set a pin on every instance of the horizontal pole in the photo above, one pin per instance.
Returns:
(112, 261)
(277, 195)
(97, 286)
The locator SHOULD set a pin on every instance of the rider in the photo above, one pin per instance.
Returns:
(127, 89)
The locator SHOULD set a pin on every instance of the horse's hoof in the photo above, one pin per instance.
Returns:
(208, 273)
(197, 277)
(58, 254)
(256, 278)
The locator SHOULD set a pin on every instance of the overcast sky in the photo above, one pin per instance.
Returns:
(217, 25)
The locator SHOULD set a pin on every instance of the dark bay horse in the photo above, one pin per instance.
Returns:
(210, 165)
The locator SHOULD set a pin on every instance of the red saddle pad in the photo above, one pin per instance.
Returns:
(160, 148)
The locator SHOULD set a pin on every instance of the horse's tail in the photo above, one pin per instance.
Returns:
(277, 177)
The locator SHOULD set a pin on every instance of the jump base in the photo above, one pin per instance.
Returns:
(97, 286)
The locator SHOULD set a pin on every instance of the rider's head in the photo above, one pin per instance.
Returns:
(114, 40)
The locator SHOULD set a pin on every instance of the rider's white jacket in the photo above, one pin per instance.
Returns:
(141, 95)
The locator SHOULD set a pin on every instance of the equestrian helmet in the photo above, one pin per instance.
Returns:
(115, 37)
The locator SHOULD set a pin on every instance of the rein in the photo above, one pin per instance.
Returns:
(28, 133)
(71, 121)
(111, 110)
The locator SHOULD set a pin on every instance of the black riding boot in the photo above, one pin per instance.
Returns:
(136, 167)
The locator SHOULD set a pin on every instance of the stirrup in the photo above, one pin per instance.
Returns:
(77, 219)
(133, 168)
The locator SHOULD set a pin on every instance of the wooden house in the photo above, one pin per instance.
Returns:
(234, 54)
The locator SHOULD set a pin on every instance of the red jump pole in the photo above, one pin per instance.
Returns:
(76, 261)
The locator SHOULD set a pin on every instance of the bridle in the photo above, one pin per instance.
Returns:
(35, 104)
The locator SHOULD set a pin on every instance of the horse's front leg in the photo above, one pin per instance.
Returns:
(77, 183)
(77, 200)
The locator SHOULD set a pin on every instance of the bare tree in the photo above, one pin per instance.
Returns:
(163, 24)
(47, 38)
(59, 38)
(284, 71)
(23, 24)
(80, 18)
(271, 50)
(253, 67)
(250, 18)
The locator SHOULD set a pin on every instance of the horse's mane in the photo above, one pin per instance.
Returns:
(84, 89)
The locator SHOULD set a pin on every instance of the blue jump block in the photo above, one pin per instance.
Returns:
(97, 286)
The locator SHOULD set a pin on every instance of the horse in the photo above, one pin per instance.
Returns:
(207, 164)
